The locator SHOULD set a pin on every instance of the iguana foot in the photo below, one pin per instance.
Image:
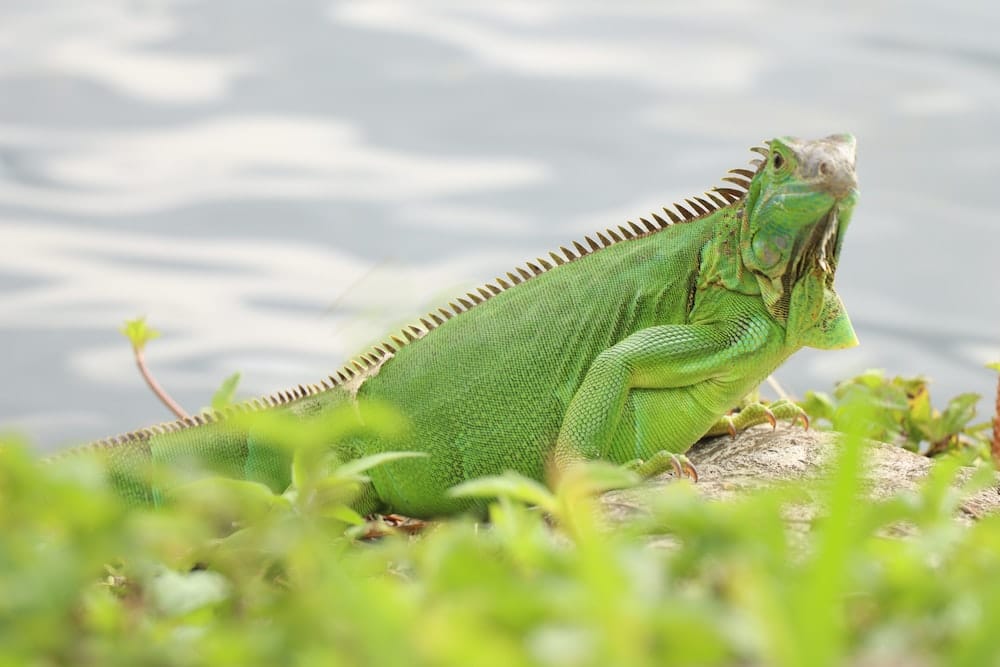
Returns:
(758, 413)
(662, 461)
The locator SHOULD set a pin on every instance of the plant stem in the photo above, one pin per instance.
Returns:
(778, 389)
(172, 405)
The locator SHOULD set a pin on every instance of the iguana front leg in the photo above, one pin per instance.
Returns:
(681, 378)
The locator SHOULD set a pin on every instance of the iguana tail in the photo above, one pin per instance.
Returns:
(137, 462)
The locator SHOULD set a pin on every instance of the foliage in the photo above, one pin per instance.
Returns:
(995, 441)
(903, 414)
(138, 333)
(225, 395)
(229, 573)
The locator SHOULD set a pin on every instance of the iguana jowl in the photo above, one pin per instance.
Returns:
(628, 346)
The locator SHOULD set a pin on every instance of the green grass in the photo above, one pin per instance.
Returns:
(232, 574)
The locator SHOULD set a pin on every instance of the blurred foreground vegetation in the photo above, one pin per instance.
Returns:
(230, 573)
(902, 414)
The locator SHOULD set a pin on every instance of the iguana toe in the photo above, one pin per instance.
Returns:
(662, 461)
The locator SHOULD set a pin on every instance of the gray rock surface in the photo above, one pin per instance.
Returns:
(760, 457)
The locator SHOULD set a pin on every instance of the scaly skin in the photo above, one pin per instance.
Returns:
(629, 352)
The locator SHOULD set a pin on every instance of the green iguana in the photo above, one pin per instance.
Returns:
(628, 347)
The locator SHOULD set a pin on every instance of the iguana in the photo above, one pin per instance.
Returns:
(628, 346)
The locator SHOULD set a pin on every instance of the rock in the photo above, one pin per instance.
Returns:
(760, 457)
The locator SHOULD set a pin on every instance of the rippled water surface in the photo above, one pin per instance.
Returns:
(277, 184)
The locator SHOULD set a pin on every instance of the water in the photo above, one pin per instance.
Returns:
(277, 184)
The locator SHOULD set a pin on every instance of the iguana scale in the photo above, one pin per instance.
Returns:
(627, 346)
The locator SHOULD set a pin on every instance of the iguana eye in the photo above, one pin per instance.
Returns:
(777, 161)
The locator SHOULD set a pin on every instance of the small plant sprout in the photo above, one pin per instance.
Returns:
(139, 333)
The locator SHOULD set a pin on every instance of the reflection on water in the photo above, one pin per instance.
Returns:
(115, 172)
(224, 297)
(277, 184)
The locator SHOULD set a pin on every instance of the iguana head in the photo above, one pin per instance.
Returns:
(797, 209)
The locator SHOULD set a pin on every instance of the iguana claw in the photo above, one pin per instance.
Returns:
(683, 467)
(730, 425)
(660, 461)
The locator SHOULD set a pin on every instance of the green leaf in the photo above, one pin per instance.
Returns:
(871, 378)
(346, 515)
(920, 407)
(225, 394)
(995, 365)
(330, 492)
(248, 500)
(959, 412)
(508, 485)
(310, 463)
(355, 467)
(138, 332)
(600, 476)
(818, 405)
(175, 594)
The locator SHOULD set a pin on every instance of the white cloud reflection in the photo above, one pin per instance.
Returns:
(531, 39)
(117, 43)
(224, 300)
(105, 172)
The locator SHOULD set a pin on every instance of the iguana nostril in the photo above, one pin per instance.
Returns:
(825, 169)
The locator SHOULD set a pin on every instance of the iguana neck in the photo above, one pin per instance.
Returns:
(722, 257)
(723, 265)
(809, 309)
